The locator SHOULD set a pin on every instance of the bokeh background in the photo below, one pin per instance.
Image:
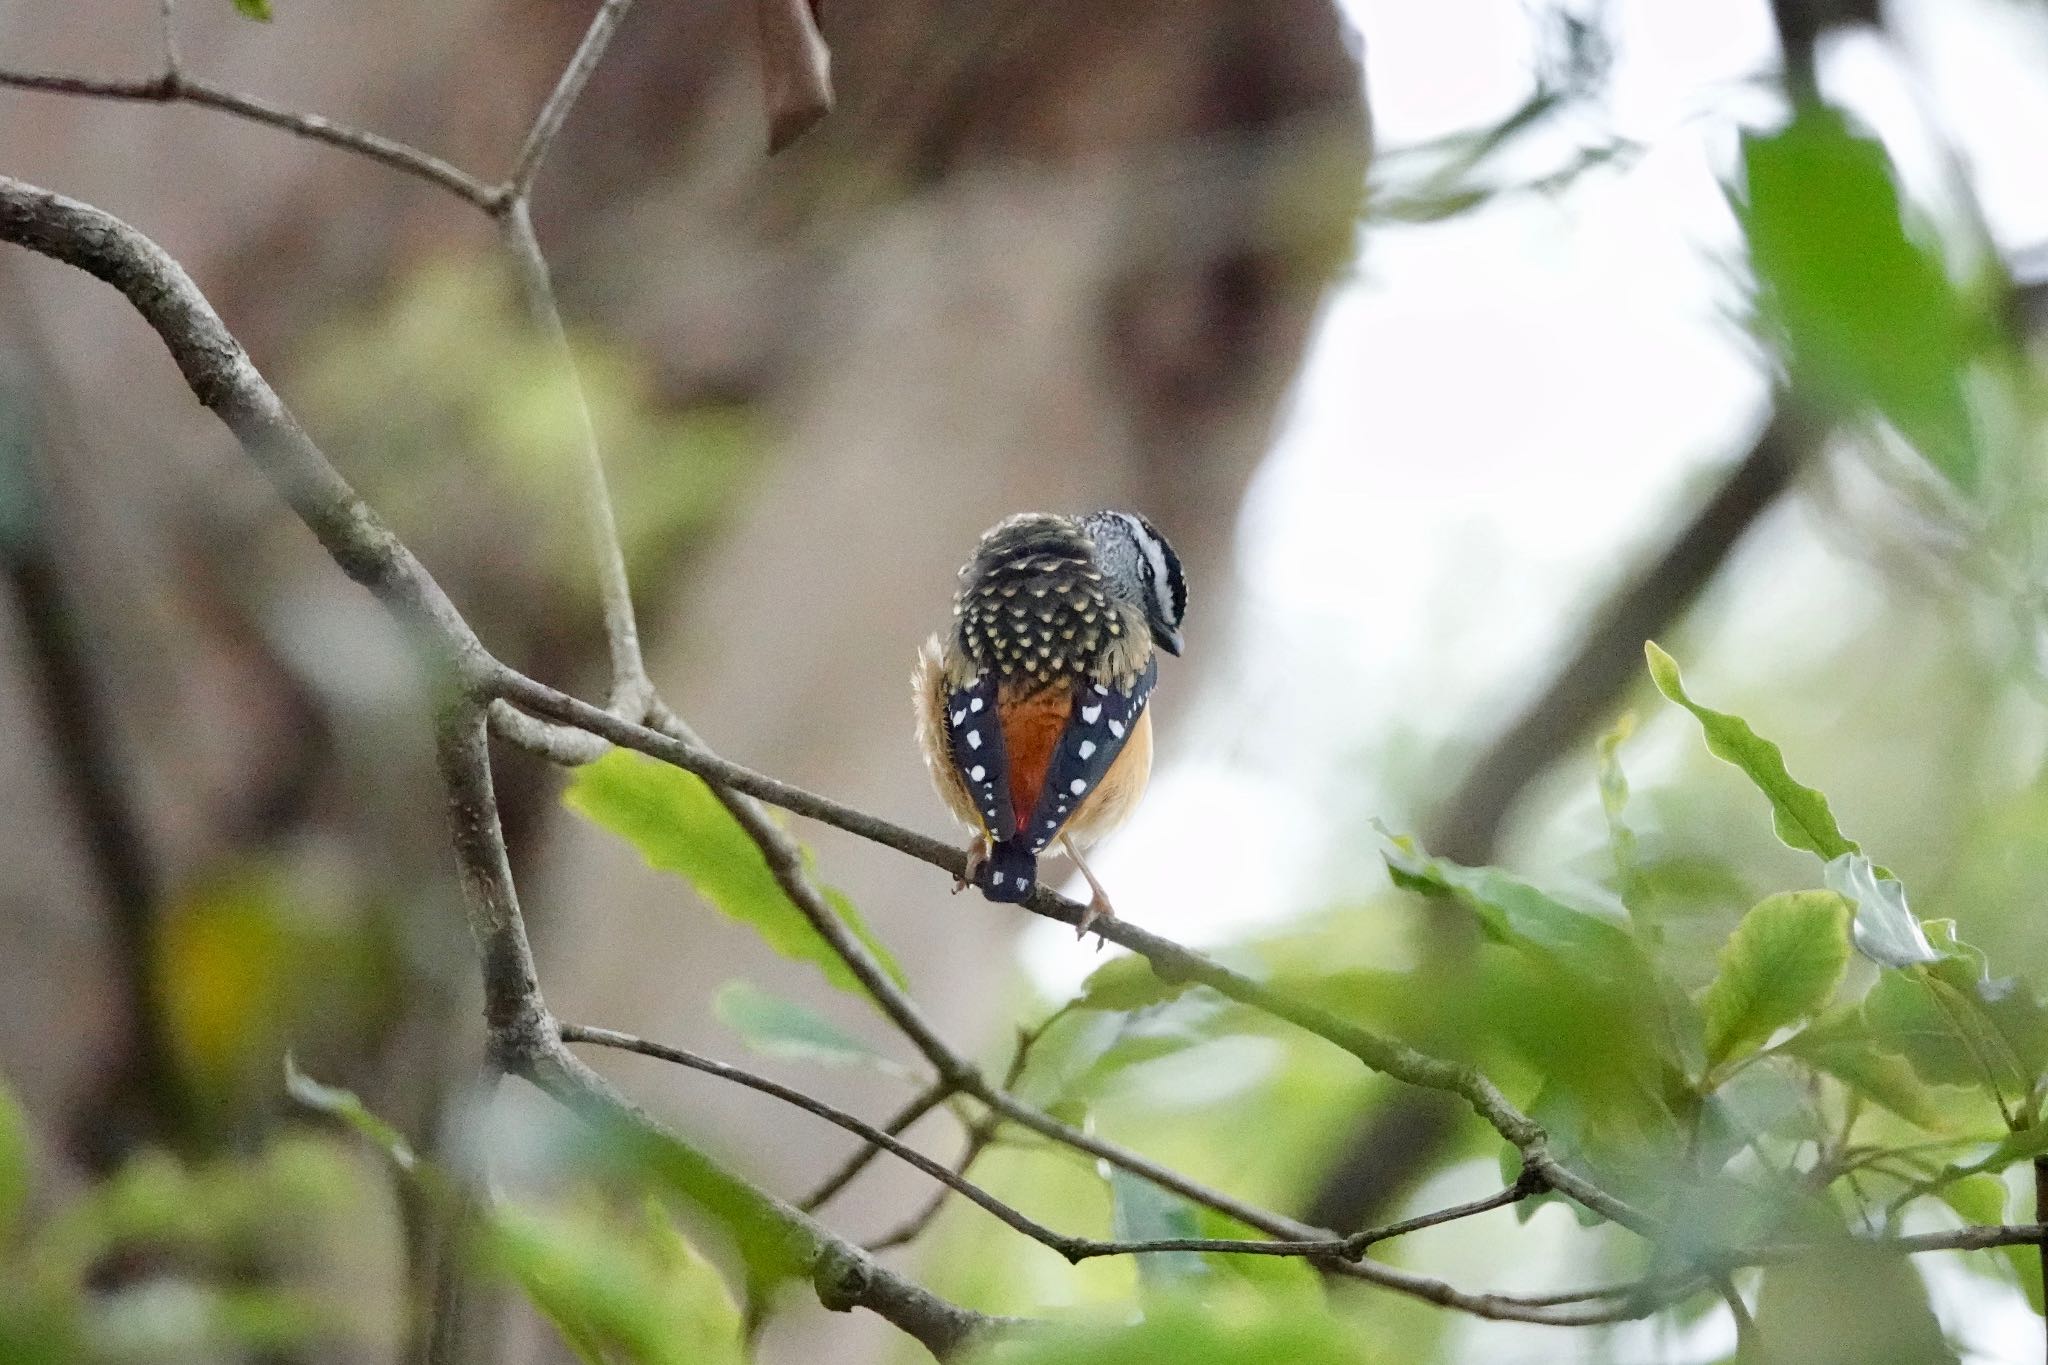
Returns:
(1443, 430)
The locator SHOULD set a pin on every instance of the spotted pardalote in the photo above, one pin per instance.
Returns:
(1031, 709)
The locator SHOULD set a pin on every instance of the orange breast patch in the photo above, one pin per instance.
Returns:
(1032, 726)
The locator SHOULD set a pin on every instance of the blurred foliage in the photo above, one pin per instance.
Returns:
(603, 1260)
(778, 1027)
(253, 963)
(165, 1261)
(1181, 1331)
(444, 394)
(1864, 307)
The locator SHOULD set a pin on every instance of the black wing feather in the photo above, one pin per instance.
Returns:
(1102, 719)
(976, 740)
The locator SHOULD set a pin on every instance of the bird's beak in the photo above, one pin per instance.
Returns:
(1167, 639)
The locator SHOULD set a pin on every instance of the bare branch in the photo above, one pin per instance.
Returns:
(559, 744)
(897, 1125)
(1075, 1249)
(520, 1026)
(979, 1137)
(167, 15)
(631, 691)
(555, 112)
(182, 89)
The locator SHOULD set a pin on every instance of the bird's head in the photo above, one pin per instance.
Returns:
(1139, 567)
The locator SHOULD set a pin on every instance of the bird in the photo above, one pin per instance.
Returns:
(1031, 708)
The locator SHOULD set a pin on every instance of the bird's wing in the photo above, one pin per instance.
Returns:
(1101, 721)
(975, 739)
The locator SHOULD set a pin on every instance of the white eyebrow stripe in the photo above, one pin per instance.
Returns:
(1162, 582)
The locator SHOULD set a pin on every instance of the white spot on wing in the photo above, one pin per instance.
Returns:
(974, 704)
(974, 739)
(1116, 727)
(959, 716)
(1087, 749)
(977, 772)
(1077, 786)
(995, 879)
(1091, 714)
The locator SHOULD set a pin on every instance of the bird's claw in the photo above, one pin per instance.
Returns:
(977, 859)
(1098, 908)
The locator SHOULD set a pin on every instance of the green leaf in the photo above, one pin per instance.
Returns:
(1935, 1017)
(1979, 1200)
(1799, 813)
(605, 1293)
(347, 1107)
(1845, 1050)
(1849, 1305)
(1272, 1280)
(14, 1162)
(1885, 930)
(1621, 840)
(693, 1294)
(784, 1028)
(1126, 983)
(2023, 1144)
(678, 825)
(773, 1245)
(254, 9)
(1183, 1333)
(1512, 911)
(1142, 1212)
(1779, 966)
(1867, 314)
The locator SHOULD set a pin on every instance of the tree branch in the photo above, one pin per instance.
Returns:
(897, 1125)
(167, 18)
(631, 690)
(568, 89)
(979, 1138)
(1075, 1249)
(177, 88)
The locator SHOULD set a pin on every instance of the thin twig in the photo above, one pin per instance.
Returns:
(897, 1125)
(184, 89)
(1075, 1249)
(555, 112)
(1358, 1243)
(1747, 1342)
(979, 1138)
(167, 15)
(631, 691)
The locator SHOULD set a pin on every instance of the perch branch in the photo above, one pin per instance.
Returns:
(177, 88)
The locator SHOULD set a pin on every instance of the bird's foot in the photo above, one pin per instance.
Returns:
(977, 859)
(1098, 908)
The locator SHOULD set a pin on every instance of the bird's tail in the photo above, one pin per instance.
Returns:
(1011, 872)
